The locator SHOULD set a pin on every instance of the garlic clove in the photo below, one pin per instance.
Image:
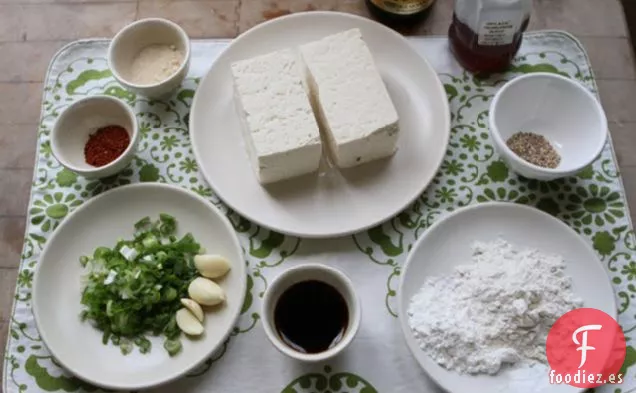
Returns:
(188, 323)
(206, 292)
(211, 266)
(194, 308)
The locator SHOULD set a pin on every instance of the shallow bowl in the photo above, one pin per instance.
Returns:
(81, 119)
(562, 110)
(447, 244)
(319, 272)
(138, 35)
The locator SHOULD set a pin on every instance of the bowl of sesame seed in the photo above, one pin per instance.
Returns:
(547, 126)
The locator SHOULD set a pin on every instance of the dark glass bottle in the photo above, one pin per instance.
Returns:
(486, 34)
(398, 13)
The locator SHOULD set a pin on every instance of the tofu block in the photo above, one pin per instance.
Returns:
(351, 102)
(280, 131)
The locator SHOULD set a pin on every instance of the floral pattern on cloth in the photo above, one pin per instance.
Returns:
(593, 203)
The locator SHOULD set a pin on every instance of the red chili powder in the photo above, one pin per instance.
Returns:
(105, 145)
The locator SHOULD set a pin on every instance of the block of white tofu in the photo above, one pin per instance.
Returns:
(350, 99)
(279, 128)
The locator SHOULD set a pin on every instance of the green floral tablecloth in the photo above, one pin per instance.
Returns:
(593, 203)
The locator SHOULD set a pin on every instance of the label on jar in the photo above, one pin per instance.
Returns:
(499, 28)
(403, 7)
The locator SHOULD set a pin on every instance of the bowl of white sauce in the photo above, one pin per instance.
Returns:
(150, 57)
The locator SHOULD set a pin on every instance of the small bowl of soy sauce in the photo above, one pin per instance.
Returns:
(311, 312)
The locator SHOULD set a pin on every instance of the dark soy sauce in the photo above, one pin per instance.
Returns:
(311, 316)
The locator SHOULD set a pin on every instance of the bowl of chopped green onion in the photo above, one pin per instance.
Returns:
(146, 281)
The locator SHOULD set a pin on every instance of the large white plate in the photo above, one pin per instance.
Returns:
(328, 204)
(99, 222)
(447, 244)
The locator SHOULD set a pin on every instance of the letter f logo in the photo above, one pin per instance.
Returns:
(583, 344)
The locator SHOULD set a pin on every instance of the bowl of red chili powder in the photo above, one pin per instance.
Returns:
(96, 136)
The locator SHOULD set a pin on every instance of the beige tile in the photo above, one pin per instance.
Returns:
(15, 186)
(11, 241)
(12, 23)
(612, 58)
(253, 12)
(26, 61)
(357, 7)
(619, 99)
(20, 102)
(624, 140)
(8, 278)
(437, 22)
(72, 21)
(580, 17)
(17, 145)
(200, 18)
(37, 2)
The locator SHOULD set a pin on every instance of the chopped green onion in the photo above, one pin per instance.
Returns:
(101, 252)
(143, 344)
(161, 256)
(169, 294)
(143, 223)
(167, 224)
(109, 307)
(135, 287)
(129, 253)
(150, 241)
(172, 346)
(125, 346)
(105, 336)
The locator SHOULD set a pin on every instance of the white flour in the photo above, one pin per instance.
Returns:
(155, 63)
(494, 311)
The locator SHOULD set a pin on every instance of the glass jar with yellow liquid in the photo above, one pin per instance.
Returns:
(399, 12)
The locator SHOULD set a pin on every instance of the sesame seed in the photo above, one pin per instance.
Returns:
(535, 149)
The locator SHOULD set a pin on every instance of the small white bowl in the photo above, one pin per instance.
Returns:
(81, 119)
(138, 35)
(560, 109)
(318, 272)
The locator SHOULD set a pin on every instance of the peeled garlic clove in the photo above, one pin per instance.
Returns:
(211, 266)
(188, 323)
(206, 292)
(194, 308)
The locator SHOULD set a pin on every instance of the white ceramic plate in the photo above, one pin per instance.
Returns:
(100, 221)
(330, 203)
(447, 244)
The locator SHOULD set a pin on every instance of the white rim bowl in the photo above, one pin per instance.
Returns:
(82, 118)
(561, 109)
(318, 272)
(446, 245)
(133, 38)
(57, 287)
(329, 203)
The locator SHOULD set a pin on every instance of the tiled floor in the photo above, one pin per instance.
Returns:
(32, 30)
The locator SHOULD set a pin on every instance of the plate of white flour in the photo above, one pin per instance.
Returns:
(330, 201)
(481, 289)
